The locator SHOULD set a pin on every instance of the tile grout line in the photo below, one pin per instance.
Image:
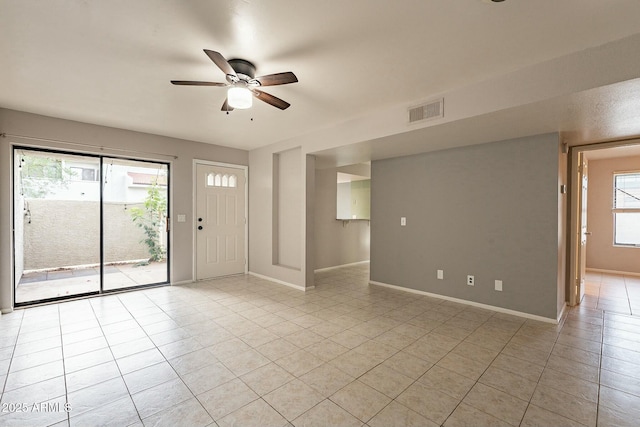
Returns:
(133, 316)
(64, 368)
(626, 291)
(15, 344)
(554, 345)
(113, 355)
(195, 396)
(488, 366)
(13, 352)
(543, 368)
(604, 320)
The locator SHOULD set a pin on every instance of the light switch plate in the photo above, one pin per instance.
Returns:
(499, 285)
(440, 275)
(403, 221)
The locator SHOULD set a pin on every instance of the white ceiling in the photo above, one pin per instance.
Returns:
(110, 62)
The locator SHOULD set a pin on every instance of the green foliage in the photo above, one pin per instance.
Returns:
(150, 217)
(42, 175)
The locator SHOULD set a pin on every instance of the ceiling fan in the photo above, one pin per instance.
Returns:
(243, 84)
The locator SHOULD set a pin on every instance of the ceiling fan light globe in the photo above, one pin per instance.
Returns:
(239, 97)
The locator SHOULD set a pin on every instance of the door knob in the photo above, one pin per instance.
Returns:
(199, 227)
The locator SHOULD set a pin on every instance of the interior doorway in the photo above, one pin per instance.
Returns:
(87, 224)
(604, 223)
(341, 216)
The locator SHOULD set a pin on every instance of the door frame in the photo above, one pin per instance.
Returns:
(245, 170)
(575, 188)
(575, 256)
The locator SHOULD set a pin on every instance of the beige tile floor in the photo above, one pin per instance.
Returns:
(612, 292)
(243, 351)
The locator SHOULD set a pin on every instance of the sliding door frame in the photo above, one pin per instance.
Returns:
(101, 290)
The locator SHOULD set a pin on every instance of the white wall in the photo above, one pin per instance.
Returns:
(279, 226)
(288, 203)
(118, 143)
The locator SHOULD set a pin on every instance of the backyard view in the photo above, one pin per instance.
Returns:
(70, 220)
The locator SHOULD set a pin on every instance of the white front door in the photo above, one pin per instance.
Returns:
(220, 221)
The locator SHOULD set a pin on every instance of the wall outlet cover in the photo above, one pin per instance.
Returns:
(471, 280)
(440, 275)
(499, 285)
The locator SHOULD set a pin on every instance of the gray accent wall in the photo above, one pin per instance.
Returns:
(491, 211)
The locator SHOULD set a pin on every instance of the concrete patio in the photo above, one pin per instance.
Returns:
(40, 285)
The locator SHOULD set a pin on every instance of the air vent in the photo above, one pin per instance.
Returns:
(429, 111)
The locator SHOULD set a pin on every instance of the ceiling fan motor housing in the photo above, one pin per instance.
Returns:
(245, 70)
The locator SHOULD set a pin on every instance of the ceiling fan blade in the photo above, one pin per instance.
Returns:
(271, 100)
(277, 79)
(196, 83)
(219, 60)
(226, 106)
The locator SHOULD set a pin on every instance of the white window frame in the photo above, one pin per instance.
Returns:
(615, 210)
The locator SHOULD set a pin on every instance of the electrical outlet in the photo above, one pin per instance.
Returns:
(440, 275)
(499, 285)
(471, 281)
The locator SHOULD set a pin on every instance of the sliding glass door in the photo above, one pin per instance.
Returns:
(87, 224)
(134, 223)
(57, 225)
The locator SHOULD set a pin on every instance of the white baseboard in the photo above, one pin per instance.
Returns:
(471, 303)
(561, 315)
(623, 273)
(281, 282)
(182, 282)
(335, 267)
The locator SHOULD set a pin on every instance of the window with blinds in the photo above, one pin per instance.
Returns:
(626, 208)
